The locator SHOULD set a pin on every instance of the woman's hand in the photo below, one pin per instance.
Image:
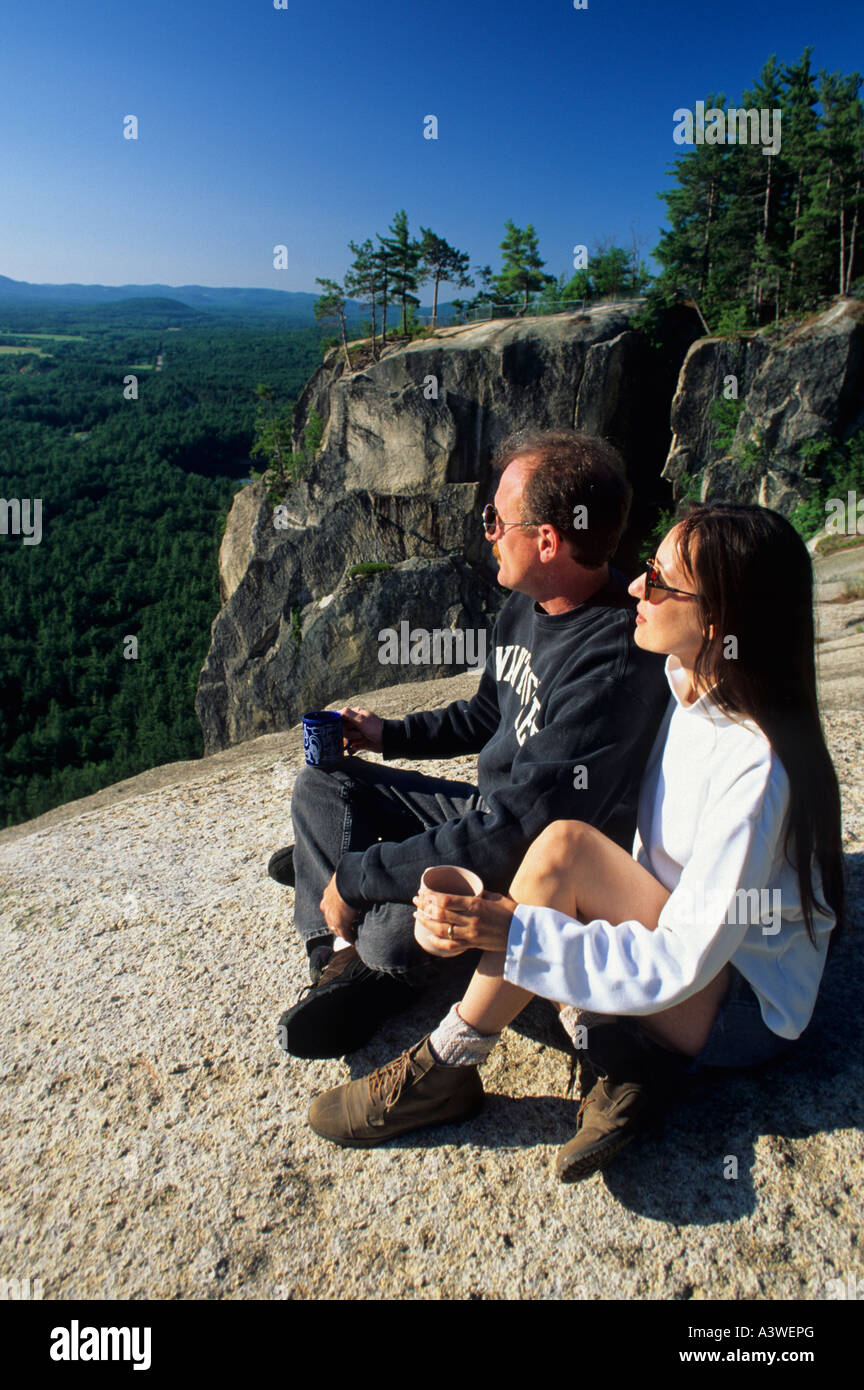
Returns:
(362, 730)
(446, 924)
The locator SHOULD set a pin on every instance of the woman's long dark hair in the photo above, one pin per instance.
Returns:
(755, 582)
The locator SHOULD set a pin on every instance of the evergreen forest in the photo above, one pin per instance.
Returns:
(134, 494)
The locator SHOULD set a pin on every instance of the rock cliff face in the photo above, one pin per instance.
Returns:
(402, 473)
(404, 468)
(794, 387)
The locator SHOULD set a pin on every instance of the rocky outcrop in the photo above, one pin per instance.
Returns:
(342, 640)
(404, 467)
(403, 470)
(238, 542)
(155, 1143)
(802, 384)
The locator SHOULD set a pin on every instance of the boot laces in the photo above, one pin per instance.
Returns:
(387, 1083)
(582, 1107)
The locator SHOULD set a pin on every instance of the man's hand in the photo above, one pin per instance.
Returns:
(340, 918)
(362, 729)
(477, 923)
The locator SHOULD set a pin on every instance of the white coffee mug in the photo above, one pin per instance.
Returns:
(449, 878)
(446, 878)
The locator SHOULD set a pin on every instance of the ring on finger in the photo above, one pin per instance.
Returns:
(450, 932)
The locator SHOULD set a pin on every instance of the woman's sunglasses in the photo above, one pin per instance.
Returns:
(654, 580)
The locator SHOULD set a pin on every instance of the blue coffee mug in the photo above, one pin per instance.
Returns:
(322, 736)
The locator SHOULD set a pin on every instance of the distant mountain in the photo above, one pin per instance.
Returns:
(288, 304)
(159, 312)
(196, 296)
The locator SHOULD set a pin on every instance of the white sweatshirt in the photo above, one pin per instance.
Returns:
(712, 817)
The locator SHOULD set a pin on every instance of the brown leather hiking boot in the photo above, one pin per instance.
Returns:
(411, 1091)
(632, 1083)
(607, 1119)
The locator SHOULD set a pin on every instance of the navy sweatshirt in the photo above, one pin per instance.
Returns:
(563, 720)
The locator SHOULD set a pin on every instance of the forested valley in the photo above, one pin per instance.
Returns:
(134, 493)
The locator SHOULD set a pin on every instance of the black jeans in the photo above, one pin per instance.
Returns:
(349, 805)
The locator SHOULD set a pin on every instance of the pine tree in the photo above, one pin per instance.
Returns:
(272, 432)
(757, 190)
(365, 280)
(609, 268)
(330, 308)
(800, 137)
(383, 270)
(842, 153)
(521, 271)
(440, 261)
(691, 251)
(401, 257)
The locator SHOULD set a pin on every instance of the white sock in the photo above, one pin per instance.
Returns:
(339, 943)
(455, 1043)
(572, 1019)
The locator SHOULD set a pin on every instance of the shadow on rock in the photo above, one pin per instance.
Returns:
(698, 1169)
(515, 1123)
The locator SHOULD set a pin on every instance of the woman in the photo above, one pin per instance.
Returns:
(707, 946)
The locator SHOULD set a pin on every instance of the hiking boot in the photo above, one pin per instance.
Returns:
(582, 1074)
(342, 1009)
(636, 1079)
(607, 1119)
(281, 866)
(412, 1091)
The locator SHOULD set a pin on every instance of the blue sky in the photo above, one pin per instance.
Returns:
(304, 126)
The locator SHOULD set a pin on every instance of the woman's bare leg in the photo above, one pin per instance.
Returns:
(685, 1027)
(580, 871)
(556, 872)
(491, 1002)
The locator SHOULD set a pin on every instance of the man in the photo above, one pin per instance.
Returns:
(563, 721)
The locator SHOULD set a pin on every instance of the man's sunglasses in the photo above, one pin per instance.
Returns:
(492, 521)
(654, 580)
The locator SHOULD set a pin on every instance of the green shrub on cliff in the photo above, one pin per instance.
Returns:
(840, 470)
